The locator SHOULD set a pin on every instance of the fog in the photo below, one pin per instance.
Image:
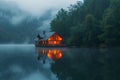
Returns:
(38, 7)
(20, 63)
(35, 8)
(28, 17)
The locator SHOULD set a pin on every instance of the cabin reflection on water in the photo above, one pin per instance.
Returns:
(53, 54)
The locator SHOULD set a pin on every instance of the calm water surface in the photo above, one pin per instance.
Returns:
(25, 62)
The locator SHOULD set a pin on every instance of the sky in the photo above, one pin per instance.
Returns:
(39, 7)
(36, 9)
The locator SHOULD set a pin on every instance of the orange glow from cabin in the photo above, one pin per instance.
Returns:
(55, 40)
(51, 40)
(59, 38)
(54, 54)
(55, 37)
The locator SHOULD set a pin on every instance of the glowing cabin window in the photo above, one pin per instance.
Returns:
(59, 38)
(55, 42)
(55, 37)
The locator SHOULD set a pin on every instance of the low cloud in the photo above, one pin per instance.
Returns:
(39, 7)
(37, 13)
(35, 8)
(17, 19)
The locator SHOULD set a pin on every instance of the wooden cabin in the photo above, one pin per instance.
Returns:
(49, 39)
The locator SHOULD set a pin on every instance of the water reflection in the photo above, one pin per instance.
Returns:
(52, 53)
(88, 64)
(20, 63)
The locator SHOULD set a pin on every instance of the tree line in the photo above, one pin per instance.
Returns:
(93, 23)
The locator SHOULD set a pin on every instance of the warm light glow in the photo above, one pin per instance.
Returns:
(55, 40)
(59, 55)
(54, 54)
(55, 37)
(49, 39)
(59, 38)
(43, 51)
(49, 55)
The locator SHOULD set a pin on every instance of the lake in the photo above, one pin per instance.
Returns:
(26, 62)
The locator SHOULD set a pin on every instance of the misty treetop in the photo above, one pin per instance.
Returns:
(92, 23)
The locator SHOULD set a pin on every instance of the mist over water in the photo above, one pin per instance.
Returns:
(19, 62)
(1, 45)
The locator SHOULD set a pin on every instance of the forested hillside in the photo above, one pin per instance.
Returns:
(90, 24)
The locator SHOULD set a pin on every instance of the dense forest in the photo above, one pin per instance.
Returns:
(94, 23)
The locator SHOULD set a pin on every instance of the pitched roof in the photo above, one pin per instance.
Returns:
(47, 35)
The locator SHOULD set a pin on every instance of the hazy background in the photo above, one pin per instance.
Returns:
(21, 20)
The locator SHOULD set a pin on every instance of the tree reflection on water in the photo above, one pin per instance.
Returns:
(88, 64)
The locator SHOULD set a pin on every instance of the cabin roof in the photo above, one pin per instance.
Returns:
(47, 35)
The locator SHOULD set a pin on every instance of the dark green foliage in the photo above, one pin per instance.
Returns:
(111, 24)
(77, 34)
(59, 24)
(92, 23)
(92, 30)
(88, 64)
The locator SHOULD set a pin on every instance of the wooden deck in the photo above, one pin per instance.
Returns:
(61, 45)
